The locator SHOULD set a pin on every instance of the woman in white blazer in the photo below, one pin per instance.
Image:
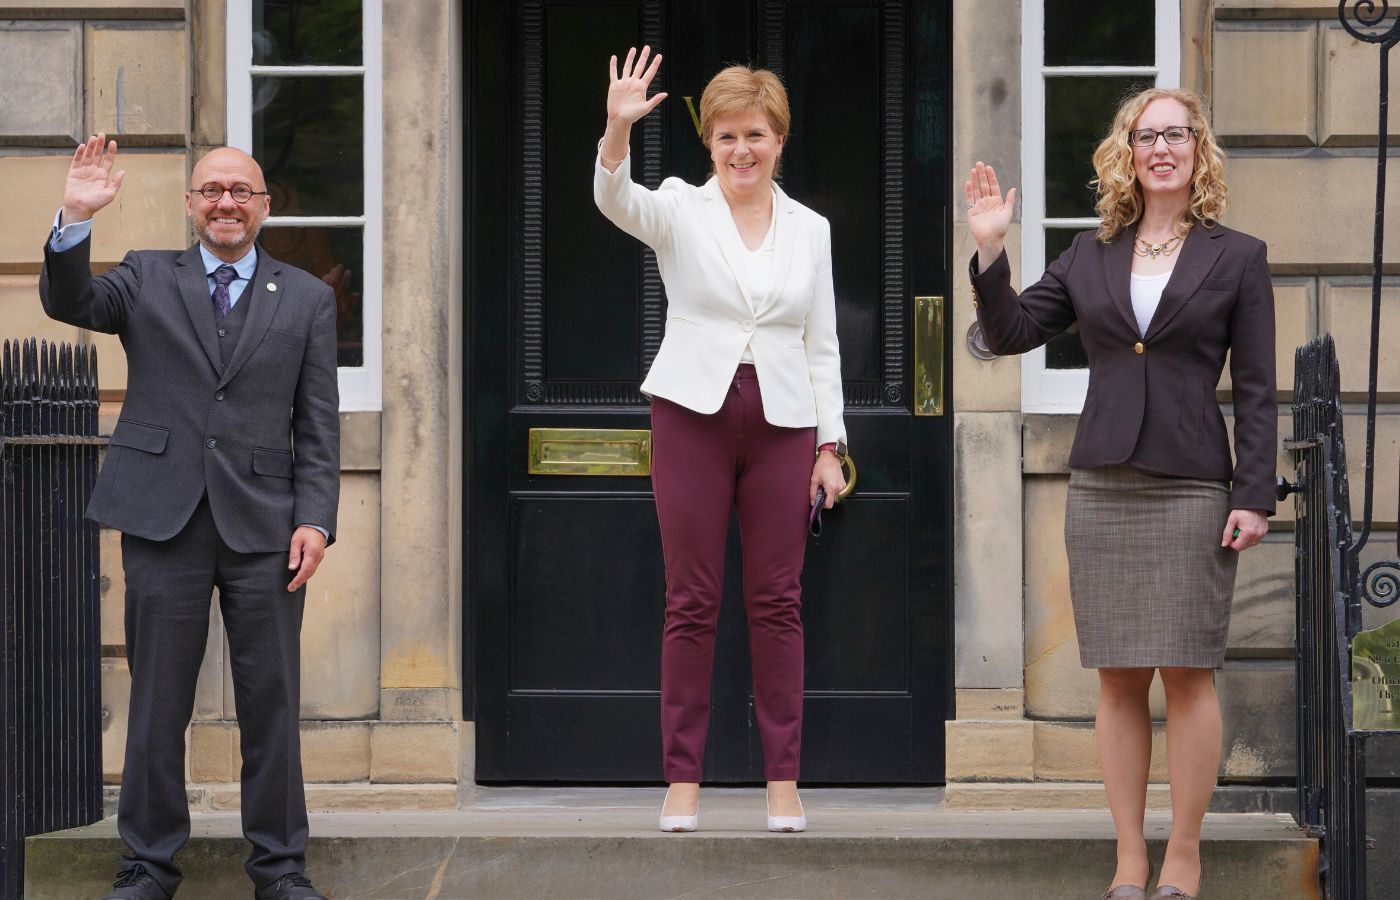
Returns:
(746, 386)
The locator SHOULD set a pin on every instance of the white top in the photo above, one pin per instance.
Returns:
(1147, 293)
(755, 269)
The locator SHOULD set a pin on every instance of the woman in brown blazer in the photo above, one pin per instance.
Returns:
(1157, 510)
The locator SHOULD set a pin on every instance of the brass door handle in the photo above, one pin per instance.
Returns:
(850, 464)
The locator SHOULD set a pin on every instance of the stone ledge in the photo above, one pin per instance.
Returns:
(1041, 795)
(93, 9)
(1275, 9)
(360, 441)
(337, 798)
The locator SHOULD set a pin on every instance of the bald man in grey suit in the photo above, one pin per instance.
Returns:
(223, 472)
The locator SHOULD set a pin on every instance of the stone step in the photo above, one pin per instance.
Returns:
(603, 843)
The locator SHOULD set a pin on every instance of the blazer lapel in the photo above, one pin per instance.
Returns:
(194, 290)
(1198, 255)
(1117, 270)
(264, 293)
(721, 223)
(786, 222)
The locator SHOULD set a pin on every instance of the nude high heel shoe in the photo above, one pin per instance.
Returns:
(679, 824)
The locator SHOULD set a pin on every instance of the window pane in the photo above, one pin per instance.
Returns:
(1064, 351)
(1100, 32)
(308, 134)
(1078, 113)
(307, 32)
(336, 256)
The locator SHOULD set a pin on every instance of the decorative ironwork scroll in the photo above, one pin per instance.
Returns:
(1370, 21)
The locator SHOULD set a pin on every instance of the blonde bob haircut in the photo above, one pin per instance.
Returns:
(1120, 196)
(739, 89)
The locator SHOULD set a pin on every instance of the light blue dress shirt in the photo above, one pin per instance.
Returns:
(71, 235)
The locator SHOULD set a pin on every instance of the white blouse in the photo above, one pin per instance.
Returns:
(1147, 293)
(755, 267)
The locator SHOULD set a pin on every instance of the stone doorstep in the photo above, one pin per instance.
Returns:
(603, 842)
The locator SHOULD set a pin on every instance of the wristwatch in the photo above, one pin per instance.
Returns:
(838, 447)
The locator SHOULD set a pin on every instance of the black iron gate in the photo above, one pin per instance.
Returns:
(50, 679)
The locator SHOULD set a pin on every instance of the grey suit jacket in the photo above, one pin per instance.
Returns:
(1151, 401)
(260, 435)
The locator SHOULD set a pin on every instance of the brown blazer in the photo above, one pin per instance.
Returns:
(1151, 401)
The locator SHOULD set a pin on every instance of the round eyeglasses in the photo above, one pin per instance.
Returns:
(1146, 137)
(241, 193)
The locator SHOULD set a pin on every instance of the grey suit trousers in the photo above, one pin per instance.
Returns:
(168, 589)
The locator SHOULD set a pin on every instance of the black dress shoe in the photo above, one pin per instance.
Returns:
(292, 886)
(135, 883)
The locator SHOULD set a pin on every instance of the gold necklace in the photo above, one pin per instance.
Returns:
(1145, 248)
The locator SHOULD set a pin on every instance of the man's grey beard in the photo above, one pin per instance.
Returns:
(206, 236)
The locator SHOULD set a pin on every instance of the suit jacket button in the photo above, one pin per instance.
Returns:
(218, 395)
(1138, 348)
(211, 443)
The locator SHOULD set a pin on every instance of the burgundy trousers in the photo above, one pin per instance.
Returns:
(703, 467)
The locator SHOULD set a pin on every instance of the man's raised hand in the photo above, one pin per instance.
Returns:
(91, 183)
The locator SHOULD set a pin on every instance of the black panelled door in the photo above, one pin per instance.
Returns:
(565, 589)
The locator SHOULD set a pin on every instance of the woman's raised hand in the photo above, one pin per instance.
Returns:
(627, 92)
(988, 213)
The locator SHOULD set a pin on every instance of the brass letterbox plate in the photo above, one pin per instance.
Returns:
(928, 356)
(1375, 679)
(590, 451)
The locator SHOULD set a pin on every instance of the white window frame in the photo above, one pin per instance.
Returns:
(361, 387)
(1045, 390)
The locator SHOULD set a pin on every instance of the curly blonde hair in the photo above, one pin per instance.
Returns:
(1120, 196)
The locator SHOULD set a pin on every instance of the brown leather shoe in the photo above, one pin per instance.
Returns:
(1125, 892)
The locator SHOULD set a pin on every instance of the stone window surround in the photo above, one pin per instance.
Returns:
(1062, 390)
(361, 388)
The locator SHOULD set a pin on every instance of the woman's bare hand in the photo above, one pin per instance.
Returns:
(1244, 529)
(988, 213)
(826, 473)
(627, 92)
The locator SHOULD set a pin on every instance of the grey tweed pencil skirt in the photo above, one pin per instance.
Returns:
(1150, 583)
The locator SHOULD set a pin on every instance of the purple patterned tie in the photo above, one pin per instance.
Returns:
(223, 277)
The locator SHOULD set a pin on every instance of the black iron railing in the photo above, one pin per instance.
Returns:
(1331, 589)
(50, 679)
(1331, 758)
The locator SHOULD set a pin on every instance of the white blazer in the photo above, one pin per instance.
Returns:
(710, 317)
